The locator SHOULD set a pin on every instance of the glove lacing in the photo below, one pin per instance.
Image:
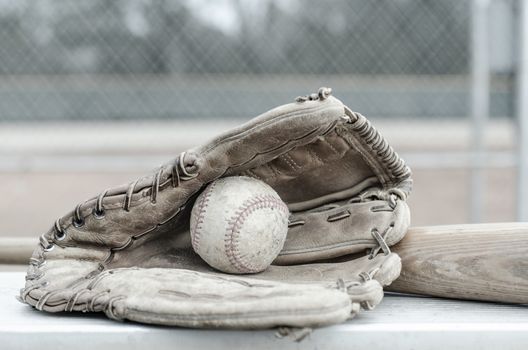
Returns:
(177, 174)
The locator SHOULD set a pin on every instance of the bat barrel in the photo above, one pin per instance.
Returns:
(477, 262)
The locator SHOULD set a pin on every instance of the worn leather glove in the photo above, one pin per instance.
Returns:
(127, 252)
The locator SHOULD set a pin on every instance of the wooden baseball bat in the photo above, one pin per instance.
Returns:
(478, 262)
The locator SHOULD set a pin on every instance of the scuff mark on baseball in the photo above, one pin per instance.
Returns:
(239, 225)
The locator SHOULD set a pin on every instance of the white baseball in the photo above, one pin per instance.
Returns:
(239, 225)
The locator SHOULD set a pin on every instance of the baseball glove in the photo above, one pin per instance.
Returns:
(127, 252)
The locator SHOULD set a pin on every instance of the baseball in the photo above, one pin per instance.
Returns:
(239, 225)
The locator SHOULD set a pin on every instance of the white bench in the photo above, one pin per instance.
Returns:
(400, 322)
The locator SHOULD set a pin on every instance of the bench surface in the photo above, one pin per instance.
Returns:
(399, 322)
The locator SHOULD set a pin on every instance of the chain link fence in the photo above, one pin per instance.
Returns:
(146, 59)
(95, 93)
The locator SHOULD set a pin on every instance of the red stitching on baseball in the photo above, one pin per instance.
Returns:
(200, 213)
(237, 221)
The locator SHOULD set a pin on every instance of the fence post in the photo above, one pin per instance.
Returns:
(479, 104)
(522, 113)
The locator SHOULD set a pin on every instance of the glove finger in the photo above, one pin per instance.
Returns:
(348, 228)
(193, 299)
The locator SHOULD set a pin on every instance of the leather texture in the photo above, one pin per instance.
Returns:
(127, 252)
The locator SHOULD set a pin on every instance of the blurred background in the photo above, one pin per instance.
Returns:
(95, 93)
